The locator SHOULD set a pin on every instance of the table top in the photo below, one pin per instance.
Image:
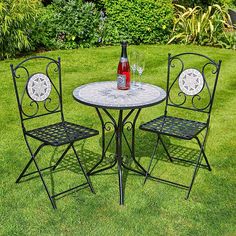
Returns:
(106, 95)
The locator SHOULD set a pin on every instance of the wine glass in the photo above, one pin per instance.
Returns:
(140, 68)
(133, 67)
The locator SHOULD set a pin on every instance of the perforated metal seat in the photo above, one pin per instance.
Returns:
(61, 133)
(173, 126)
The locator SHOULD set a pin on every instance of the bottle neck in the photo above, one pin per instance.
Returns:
(124, 51)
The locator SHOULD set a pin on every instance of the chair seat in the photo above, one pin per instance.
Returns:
(61, 133)
(173, 126)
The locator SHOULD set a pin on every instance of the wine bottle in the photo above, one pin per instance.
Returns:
(123, 70)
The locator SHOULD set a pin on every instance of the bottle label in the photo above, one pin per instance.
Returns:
(123, 59)
(121, 81)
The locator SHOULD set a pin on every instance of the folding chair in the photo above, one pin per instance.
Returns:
(191, 85)
(38, 89)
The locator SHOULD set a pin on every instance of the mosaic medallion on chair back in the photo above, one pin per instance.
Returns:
(38, 85)
(191, 82)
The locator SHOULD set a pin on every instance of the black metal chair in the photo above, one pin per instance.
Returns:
(38, 89)
(191, 85)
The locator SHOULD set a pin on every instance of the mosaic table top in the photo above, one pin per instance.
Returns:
(106, 95)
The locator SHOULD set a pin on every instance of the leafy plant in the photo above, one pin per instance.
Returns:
(67, 24)
(228, 40)
(204, 3)
(16, 17)
(44, 33)
(98, 3)
(136, 23)
(194, 25)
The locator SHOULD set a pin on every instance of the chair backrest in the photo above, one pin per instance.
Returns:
(191, 82)
(37, 83)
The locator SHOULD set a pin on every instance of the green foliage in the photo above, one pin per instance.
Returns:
(228, 40)
(138, 21)
(16, 17)
(205, 3)
(44, 30)
(233, 3)
(98, 3)
(197, 26)
(67, 24)
(46, 2)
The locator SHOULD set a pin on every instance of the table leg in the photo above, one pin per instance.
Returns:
(131, 127)
(118, 127)
(106, 126)
(119, 154)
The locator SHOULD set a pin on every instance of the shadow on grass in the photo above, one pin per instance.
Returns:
(181, 157)
(144, 144)
(89, 159)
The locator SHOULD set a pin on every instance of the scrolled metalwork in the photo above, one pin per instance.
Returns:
(48, 101)
(17, 72)
(108, 126)
(182, 94)
(29, 105)
(171, 64)
(22, 72)
(56, 69)
(208, 94)
(129, 125)
(196, 98)
(35, 108)
(172, 61)
(214, 70)
(201, 100)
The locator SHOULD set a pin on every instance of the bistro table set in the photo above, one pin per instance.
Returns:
(117, 110)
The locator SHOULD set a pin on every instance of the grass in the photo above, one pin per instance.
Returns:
(150, 209)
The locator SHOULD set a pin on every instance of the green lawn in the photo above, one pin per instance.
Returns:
(150, 209)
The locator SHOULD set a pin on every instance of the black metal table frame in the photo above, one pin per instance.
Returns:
(118, 126)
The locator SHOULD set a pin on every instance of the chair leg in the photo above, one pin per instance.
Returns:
(23, 172)
(62, 156)
(204, 155)
(163, 144)
(44, 184)
(83, 170)
(194, 174)
(198, 163)
(28, 164)
(33, 156)
(150, 163)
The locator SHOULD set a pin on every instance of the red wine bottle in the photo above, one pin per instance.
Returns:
(123, 71)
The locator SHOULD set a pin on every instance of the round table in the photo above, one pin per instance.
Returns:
(104, 96)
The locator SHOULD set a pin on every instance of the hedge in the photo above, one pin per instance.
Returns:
(137, 21)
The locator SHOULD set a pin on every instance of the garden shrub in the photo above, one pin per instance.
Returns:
(137, 21)
(44, 33)
(46, 2)
(98, 3)
(204, 27)
(16, 17)
(228, 40)
(205, 3)
(67, 24)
